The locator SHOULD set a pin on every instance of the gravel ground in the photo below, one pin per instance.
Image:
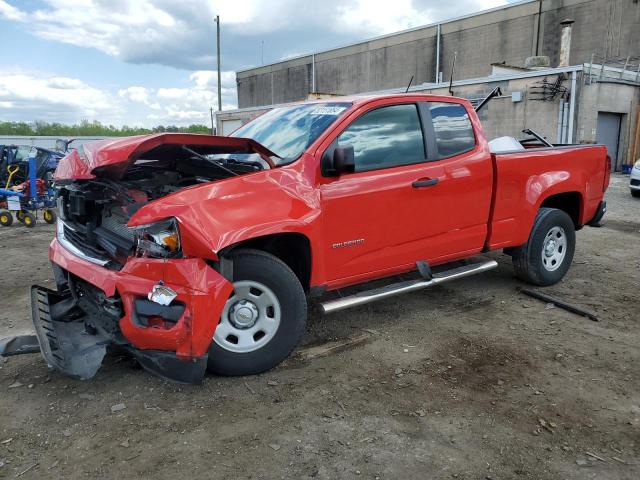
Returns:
(471, 380)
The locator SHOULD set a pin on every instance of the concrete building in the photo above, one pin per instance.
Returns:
(605, 28)
(591, 95)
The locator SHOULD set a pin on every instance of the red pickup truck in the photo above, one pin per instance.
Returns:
(196, 251)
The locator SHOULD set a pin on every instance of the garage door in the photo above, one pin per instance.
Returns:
(228, 126)
(608, 134)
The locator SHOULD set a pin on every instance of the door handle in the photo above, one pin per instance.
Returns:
(425, 182)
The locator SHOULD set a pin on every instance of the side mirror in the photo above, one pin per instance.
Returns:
(341, 160)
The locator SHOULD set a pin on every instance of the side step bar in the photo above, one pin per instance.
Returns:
(404, 287)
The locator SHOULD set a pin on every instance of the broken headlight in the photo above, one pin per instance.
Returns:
(158, 240)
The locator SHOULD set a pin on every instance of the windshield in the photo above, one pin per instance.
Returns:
(288, 131)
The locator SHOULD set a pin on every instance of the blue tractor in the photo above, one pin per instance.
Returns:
(25, 183)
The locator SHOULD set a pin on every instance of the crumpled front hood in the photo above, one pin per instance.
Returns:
(110, 158)
(217, 214)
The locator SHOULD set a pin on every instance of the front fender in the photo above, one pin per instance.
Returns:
(218, 214)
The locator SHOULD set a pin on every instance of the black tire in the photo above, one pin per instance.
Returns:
(20, 215)
(49, 216)
(528, 259)
(261, 267)
(29, 220)
(6, 219)
(635, 193)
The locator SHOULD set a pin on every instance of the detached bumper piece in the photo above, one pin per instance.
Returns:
(64, 341)
(68, 337)
(19, 345)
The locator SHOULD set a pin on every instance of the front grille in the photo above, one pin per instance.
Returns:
(75, 241)
(79, 240)
(117, 224)
(635, 183)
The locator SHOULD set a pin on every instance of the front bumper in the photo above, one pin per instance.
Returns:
(184, 336)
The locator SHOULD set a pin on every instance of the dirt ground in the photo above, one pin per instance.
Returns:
(471, 380)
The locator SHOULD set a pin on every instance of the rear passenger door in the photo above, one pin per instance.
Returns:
(414, 194)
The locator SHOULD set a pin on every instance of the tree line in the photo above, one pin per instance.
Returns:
(90, 129)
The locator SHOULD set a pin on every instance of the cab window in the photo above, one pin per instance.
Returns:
(385, 137)
(452, 129)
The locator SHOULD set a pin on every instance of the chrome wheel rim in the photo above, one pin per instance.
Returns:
(250, 318)
(554, 249)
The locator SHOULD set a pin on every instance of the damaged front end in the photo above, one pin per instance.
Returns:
(153, 289)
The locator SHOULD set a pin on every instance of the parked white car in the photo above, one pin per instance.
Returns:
(634, 185)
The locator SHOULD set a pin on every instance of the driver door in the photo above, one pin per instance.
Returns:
(401, 205)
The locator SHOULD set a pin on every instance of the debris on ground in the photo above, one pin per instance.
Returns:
(329, 348)
(593, 455)
(559, 303)
(118, 407)
(27, 469)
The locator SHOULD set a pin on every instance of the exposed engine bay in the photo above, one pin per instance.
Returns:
(94, 213)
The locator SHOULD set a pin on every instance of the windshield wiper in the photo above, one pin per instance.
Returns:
(209, 160)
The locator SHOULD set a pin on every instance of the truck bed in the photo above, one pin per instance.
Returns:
(524, 180)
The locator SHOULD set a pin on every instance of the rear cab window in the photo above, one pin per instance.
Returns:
(449, 129)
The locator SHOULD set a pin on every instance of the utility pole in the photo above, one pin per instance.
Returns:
(213, 128)
(218, 58)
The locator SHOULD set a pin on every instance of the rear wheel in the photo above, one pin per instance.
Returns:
(29, 220)
(6, 219)
(263, 319)
(635, 193)
(547, 255)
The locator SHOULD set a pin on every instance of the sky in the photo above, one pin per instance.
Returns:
(152, 62)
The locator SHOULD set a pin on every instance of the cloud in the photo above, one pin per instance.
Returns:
(29, 96)
(53, 98)
(209, 79)
(182, 34)
(10, 12)
(135, 94)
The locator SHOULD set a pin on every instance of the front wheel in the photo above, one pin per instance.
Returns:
(263, 319)
(635, 193)
(547, 255)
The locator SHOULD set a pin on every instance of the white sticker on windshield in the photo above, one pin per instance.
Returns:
(328, 110)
